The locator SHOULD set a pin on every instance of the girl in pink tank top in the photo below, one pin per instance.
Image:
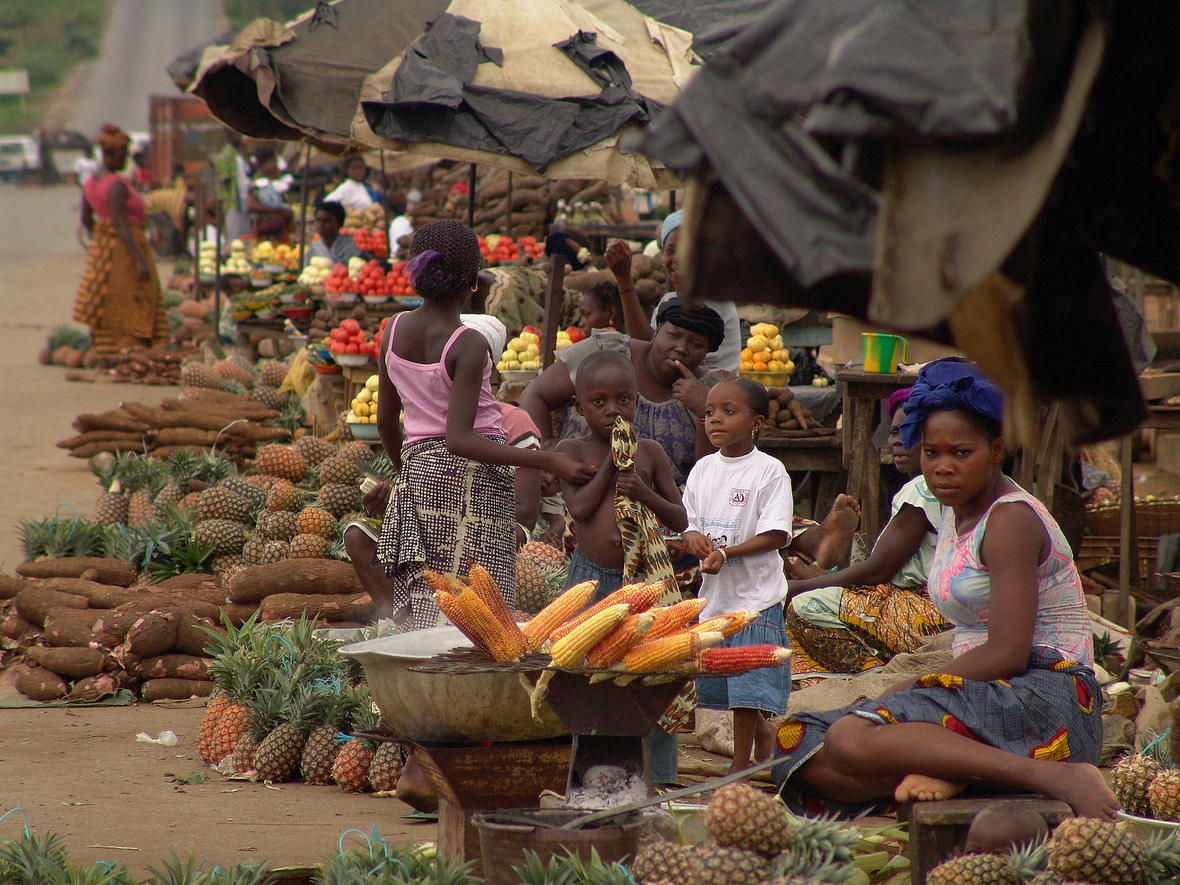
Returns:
(453, 502)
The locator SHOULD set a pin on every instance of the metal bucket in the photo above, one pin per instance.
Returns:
(468, 708)
(505, 835)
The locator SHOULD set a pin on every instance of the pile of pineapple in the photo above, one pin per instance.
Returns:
(764, 351)
(753, 840)
(236, 374)
(1146, 787)
(303, 712)
(1081, 851)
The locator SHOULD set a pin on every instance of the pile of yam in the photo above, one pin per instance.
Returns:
(85, 628)
(646, 272)
(158, 365)
(788, 414)
(202, 419)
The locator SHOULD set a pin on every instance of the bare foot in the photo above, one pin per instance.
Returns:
(763, 741)
(1084, 789)
(922, 788)
(836, 531)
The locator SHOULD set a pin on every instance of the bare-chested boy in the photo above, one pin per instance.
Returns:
(605, 389)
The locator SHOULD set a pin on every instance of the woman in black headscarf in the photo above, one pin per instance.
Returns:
(672, 383)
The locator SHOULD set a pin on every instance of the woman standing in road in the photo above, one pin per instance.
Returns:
(119, 296)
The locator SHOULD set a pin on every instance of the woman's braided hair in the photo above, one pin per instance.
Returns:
(444, 260)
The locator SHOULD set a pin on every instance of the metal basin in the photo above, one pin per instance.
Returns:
(470, 708)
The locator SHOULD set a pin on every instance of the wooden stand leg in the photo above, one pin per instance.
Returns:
(864, 467)
(1128, 539)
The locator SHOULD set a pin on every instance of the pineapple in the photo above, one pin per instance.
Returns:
(266, 711)
(1164, 795)
(221, 503)
(277, 757)
(252, 494)
(316, 521)
(272, 373)
(236, 668)
(664, 861)
(284, 496)
(715, 865)
(233, 370)
(339, 469)
(308, 547)
(277, 459)
(140, 508)
(197, 374)
(315, 449)
(1091, 850)
(253, 549)
(319, 753)
(274, 551)
(351, 768)
(532, 590)
(278, 525)
(339, 499)
(978, 869)
(740, 816)
(1132, 778)
(269, 397)
(225, 537)
(225, 567)
(182, 467)
(386, 767)
(820, 846)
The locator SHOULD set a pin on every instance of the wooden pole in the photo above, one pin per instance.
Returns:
(217, 277)
(471, 197)
(303, 207)
(554, 296)
(1128, 538)
(508, 215)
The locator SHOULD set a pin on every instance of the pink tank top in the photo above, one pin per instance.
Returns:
(97, 193)
(425, 390)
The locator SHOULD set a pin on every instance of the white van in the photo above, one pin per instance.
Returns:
(18, 155)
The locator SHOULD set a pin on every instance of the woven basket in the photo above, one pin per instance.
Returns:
(1101, 551)
(1152, 519)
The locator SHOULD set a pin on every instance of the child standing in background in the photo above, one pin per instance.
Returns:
(739, 516)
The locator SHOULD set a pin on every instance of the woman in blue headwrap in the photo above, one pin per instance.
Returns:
(726, 356)
(1019, 696)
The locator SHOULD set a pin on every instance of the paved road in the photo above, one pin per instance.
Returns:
(141, 39)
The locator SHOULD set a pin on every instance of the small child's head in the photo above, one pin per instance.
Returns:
(444, 261)
(735, 411)
(1004, 827)
(606, 387)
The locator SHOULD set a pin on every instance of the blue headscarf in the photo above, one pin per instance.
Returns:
(950, 383)
(671, 223)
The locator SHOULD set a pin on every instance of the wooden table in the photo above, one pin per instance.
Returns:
(862, 392)
(819, 456)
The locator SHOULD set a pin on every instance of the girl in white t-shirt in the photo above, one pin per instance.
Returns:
(739, 516)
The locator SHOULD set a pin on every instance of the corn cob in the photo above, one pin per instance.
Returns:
(669, 651)
(439, 583)
(450, 607)
(645, 597)
(502, 645)
(728, 623)
(739, 659)
(606, 602)
(571, 649)
(485, 588)
(620, 640)
(671, 618)
(557, 613)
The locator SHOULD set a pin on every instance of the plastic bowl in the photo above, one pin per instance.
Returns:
(264, 314)
(375, 299)
(297, 313)
(343, 297)
(327, 369)
(767, 379)
(1148, 826)
(367, 432)
(275, 268)
(408, 300)
(261, 282)
(293, 298)
(240, 315)
(323, 353)
(516, 375)
(351, 359)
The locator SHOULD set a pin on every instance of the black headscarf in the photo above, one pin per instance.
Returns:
(693, 318)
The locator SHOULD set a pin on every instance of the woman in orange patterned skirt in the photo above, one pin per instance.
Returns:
(119, 297)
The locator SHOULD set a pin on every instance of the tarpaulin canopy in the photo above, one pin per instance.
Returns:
(546, 86)
(713, 23)
(925, 166)
(304, 78)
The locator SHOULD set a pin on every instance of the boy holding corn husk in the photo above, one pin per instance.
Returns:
(607, 390)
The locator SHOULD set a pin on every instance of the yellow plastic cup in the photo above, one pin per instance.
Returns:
(883, 352)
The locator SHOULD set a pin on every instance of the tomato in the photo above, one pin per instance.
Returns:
(351, 348)
(336, 347)
(575, 334)
(532, 329)
(350, 326)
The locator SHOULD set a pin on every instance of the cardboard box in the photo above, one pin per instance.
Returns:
(847, 343)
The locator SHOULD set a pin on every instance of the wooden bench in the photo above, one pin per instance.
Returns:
(938, 830)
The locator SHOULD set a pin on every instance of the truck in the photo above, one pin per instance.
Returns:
(182, 131)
